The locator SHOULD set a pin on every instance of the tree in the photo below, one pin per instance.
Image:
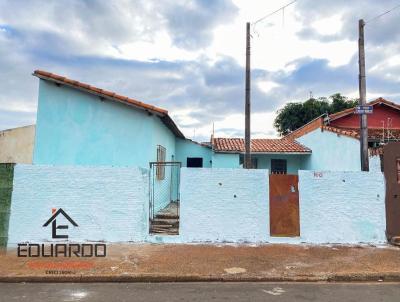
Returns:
(296, 114)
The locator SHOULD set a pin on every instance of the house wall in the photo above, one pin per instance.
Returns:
(16, 145)
(220, 205)
(294, 162)
(380, 114)
(107, 203)
(77, 128)
(342, 207)
(331, 151)
(186, 148)
(225, 160)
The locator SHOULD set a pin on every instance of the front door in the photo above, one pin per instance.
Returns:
(284, 205)
(391, 167)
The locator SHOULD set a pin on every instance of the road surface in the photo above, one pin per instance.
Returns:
(108, 292)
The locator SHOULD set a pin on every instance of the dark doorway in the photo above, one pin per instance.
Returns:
(194, 162)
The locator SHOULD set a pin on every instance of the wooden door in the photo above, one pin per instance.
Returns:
(284, 205)
(391, 167)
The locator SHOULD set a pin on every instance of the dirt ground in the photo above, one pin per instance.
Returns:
(168, 262)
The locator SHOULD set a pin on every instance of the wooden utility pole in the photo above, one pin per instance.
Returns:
(362, 90)
(247, 156)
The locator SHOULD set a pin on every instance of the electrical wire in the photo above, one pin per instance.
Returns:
(274, 12)
(380, 15)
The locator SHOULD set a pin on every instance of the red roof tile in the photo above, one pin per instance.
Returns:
(236, 145)
(105, 93)
(373, 133)
(378, 101)
(162, 113)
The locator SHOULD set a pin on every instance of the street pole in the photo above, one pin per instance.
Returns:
(362, 102)
(247, 156)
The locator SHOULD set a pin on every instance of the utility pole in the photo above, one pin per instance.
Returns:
(362, 102)
(247, 156)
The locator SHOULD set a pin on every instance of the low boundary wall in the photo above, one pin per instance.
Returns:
(111, 204)
(342, 207)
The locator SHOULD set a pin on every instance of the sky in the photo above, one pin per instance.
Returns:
(188, 56)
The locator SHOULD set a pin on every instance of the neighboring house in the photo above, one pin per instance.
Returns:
(280, 156)
(334, 139)
(16, 145)
(78, 124)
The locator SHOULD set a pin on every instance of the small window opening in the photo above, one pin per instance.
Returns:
(278, 166)
(160, 171)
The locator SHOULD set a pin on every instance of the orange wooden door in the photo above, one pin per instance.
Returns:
(284, 205)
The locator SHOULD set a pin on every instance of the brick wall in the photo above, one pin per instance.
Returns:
(107, 203)
(342, 207)
(220, 205)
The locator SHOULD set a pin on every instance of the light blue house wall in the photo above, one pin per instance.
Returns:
(186, 148)
(225, 160)
(77, 128)
(331, 151)
(294, 162)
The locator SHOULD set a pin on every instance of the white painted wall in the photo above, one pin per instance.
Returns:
(219, 205)
(375, 163)
(107, 203)
(16, 145)
(342, 207)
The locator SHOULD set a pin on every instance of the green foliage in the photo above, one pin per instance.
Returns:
(296, 114)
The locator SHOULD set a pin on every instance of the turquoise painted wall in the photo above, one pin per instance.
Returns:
(77, 128)
(186, 148)
(225, 160)
(331, 152)
(294, 162)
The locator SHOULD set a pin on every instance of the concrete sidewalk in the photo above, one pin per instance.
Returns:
(156, 262)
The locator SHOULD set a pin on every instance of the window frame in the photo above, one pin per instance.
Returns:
(161, 155)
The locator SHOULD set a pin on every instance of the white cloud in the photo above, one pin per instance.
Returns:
(192, 54)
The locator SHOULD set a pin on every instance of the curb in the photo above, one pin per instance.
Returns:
(356, 277)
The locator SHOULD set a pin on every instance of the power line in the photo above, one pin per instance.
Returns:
(274, 12)
(380, 15)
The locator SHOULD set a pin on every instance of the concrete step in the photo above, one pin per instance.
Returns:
(172, 231)
(166, 216)
(165, 221)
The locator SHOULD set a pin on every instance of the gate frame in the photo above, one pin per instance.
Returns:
(152, 177)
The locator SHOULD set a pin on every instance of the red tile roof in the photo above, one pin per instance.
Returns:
(319, 123)
(373, 133)
(236, 145)
(162, 113)
(378, 101)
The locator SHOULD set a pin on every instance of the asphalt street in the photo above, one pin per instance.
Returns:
(251, 291)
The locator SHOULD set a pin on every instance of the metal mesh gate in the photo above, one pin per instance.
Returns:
(164, 190)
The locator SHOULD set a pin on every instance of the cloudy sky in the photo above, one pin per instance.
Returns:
(188, 56)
